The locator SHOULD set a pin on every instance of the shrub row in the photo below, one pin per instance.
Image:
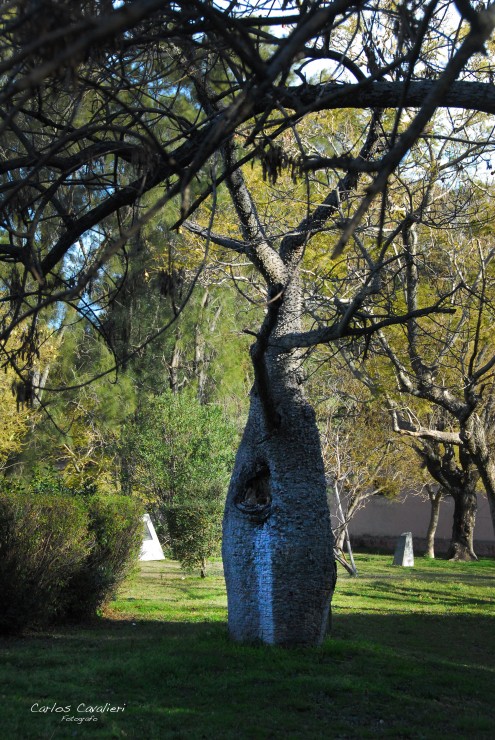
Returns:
(61, 556)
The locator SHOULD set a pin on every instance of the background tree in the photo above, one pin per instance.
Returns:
(449, 366)
(78, 425)
(166, 342)
(15, 422)
(176, 454)
(429, 364)
(360, 453)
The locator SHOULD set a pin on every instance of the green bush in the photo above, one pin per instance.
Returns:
(116, 533)
(43, 541)
(174, 446)
(177, 454)
(63, 551)
(195, 531)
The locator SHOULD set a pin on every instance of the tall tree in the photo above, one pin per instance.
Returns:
(444, 244)
(450, 367)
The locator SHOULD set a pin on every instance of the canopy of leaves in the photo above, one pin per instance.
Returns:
(175, 450)
(114, 110)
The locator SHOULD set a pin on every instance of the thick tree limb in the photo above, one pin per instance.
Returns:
(337, 331)
(257, 246)
(222, 241)
(303, 99)
(419, 432)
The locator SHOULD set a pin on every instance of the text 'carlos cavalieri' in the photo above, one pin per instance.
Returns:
(89, 712)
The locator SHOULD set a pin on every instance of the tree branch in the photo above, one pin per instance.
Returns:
(472, 44)
(221, 241)
(316, 220)
(303, 99)
(337, 331)
(419, 432)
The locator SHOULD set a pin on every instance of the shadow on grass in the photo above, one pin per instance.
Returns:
(409, 676)
(409, 593)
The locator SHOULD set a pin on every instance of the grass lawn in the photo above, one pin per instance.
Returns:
(411, 655)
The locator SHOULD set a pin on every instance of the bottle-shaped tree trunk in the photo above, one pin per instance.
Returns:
(277, 537)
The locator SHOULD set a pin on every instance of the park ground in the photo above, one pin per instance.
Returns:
(411, 655)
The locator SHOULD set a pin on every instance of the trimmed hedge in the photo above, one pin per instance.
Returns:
(116, 531)
(43, 540)
(62, 556)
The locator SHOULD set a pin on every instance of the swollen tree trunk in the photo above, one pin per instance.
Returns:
(465, 506)
(277, 537)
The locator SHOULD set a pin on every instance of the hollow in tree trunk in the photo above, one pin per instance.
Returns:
(277, 540)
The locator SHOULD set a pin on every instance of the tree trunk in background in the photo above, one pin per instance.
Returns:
(465, 506)
(474, 436)
(174, 366)
(343, 538)
(435, 501)
(458, 478)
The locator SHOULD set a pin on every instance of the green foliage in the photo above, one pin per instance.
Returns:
(86, 419)
(178, 455)
(195, 532)
(175, 450)
(115, 529)
(43, 540)
(15, 419)
(63, 551)
(48, 481)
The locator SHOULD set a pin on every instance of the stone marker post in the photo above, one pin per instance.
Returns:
(404, 554)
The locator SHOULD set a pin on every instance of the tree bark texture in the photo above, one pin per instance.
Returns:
(435, 501)
(473, 435)
(465, 506)
(277, 537)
